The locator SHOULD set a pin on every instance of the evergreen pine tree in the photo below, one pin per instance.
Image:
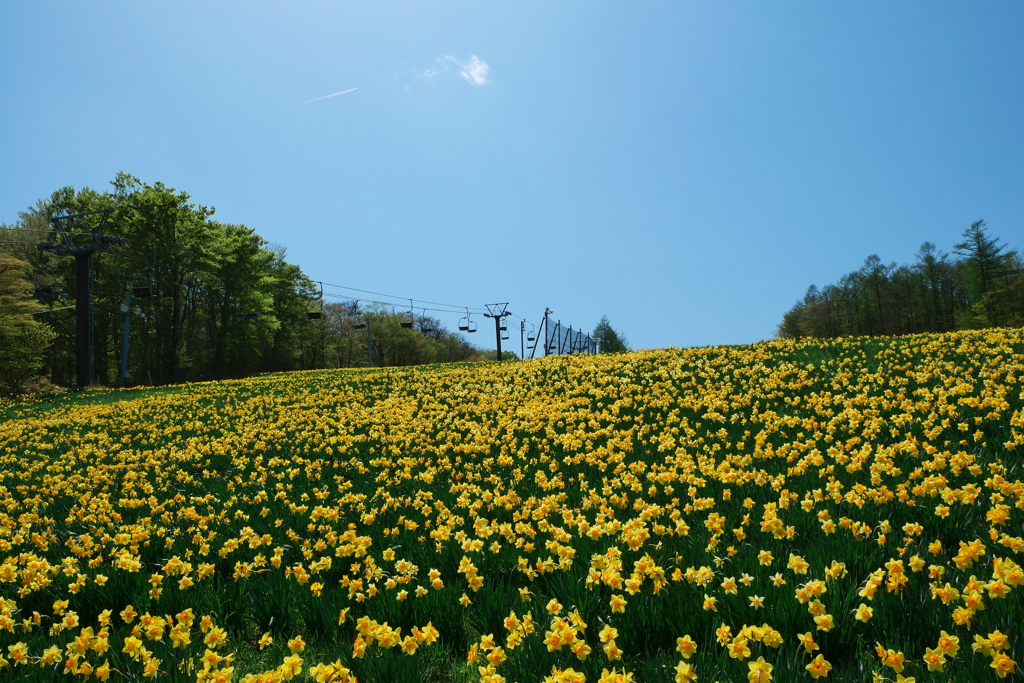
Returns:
(608, 340)
(988, 268)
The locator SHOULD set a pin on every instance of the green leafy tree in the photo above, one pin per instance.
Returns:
(791, 326)
(218, 302)
(290, 296)
(983, 287)
(221, 304)
(181, 232)
(23, 339)
(505, 355)
(608, 340)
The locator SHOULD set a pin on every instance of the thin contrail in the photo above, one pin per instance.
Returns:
(315, 99)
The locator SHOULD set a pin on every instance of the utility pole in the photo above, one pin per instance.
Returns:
(497, 311)
(547, 328)
(369, 342)
(522, 334)
(83, 278)
(128, 311)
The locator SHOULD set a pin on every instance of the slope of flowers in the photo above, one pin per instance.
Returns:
(783, 511)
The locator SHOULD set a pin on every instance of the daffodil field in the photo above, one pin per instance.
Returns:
(841, 510)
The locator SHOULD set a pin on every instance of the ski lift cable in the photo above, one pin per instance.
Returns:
(202, 272)
(41, 232)
(154, 262)
(14, 229)
(469, 326)
(19, 243)
(393, 296)
(339, 297)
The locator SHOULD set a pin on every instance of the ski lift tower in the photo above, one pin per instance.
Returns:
(95, 241)
(498, 312)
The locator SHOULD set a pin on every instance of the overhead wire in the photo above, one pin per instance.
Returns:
(43, 232)
(401, 298)
(449, 308)
(412, 300)
(197, 271)
(338, 297)
(460, 308)
(457, 309)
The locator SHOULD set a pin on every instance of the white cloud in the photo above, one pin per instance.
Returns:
(428, 74)
(473, 72)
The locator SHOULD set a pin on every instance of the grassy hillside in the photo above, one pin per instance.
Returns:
(789, 510)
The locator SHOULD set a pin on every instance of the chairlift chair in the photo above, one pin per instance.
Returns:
(154, 291)
(318, 314)
(407, 324)
(466, 324)
(426, 327)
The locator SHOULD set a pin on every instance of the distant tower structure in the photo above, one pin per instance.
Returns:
(499, 312)
(69, 227)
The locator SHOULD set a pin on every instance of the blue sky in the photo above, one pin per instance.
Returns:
(685, 168)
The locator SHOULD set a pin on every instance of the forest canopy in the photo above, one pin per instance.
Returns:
(980, 285)
(204, 299)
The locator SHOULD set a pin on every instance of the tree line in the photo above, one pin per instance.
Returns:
(209, 300)
(979, 285)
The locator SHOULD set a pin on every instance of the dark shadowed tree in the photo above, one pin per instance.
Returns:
(938, 282)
